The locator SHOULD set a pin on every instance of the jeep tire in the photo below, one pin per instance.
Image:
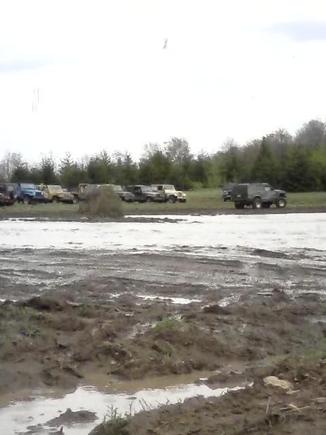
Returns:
(281, 203)
(238, 205)
(257, 203)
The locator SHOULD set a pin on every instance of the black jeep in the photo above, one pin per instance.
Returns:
(144, 193)
(123, 193)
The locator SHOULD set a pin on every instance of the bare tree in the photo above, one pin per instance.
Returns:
(8, 164)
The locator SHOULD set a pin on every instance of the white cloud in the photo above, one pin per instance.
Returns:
(104, 80)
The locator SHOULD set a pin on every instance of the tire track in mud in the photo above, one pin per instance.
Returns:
(24, 273)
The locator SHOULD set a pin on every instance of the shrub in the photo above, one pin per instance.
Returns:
(113, 424)
(168, 324)
(101, 202)
(113, 427)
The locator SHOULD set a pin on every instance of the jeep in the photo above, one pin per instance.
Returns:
(170, 193)
(82, 191)
(7, 196)
(28, 193)
(123, 194)
(227, 191)
(55, 193)
(257, 195)
(144, 193)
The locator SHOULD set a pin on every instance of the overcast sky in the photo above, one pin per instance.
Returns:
(82, 76)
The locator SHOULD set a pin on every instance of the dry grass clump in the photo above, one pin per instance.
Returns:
(101, 202)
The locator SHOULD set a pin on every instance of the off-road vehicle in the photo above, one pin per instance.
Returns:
(227, 191)
(55, 193)
(7, 196)
(170, 193)
(123, 194)
(144, 193)
(29, 193)
(257, 195)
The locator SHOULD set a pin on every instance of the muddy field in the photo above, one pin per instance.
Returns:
(112, 324)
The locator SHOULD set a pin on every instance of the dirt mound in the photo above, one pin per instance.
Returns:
(256, 410)
(45, 303)
(215, 309)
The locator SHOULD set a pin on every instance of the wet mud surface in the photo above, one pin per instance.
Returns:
(132, 217)
(118, 320)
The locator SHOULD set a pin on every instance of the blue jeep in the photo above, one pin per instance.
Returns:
(29, 194)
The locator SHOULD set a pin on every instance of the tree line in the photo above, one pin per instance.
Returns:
(295, 163)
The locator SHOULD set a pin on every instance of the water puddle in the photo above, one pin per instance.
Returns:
(18, 417)
(173, 300)
(320, 319)
(229, 300)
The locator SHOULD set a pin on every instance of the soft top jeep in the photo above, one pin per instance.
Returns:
(257, 195)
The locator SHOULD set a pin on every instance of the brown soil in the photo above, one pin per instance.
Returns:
(256, 410)
(47, 341)
(69, 327)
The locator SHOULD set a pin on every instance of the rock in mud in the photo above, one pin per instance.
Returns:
(279, 295)
(71, 417)
(215, 309)
(44, 303)
(277, 382)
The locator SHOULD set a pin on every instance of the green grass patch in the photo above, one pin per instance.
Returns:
(201, 201)
(307, 199)
(51, 210)
(168, 324)
(113, 424)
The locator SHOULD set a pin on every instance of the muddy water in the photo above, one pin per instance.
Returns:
(184, 261)
(203, 234)
(19, 416)
(173, 300)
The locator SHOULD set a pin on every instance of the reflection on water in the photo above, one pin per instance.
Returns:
(174, 300)
(20, 415)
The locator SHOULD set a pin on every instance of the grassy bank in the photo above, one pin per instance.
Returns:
(201, 201)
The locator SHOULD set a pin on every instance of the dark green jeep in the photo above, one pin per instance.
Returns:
(257, 195)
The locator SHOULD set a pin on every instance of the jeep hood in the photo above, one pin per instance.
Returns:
(280, 191)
